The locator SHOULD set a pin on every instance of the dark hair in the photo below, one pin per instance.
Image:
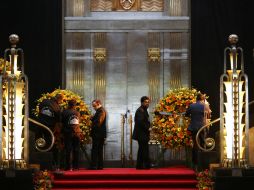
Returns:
(199, 97)
(72, 103)
(97, 101)
(144, 98)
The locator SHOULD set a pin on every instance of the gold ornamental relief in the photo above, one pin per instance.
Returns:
(99, 54)
(154, 55)
(127, 4)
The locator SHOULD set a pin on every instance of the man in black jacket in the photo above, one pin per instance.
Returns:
(141, 133)
(70, 119)
(50, 115)
(98, 134)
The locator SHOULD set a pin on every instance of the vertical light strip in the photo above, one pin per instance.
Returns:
(6, 131)
(18, 126)
(229, 121)
(241, 115)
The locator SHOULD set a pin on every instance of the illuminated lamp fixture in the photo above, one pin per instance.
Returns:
(234, 111)
(14, 109)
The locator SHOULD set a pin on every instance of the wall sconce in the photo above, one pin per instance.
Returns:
(234, 111)
(14, 131)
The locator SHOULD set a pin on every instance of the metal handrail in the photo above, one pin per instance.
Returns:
(210, 142)
(41, 140)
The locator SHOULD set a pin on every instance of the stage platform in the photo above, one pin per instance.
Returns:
(16, 179)
(231, 179)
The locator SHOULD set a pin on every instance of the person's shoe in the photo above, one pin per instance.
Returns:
(154, 165)
(67, 169)
(147, 166)
(91, 168)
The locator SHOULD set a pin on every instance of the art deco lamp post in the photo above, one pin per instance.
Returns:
(14, 109)
(234, 113)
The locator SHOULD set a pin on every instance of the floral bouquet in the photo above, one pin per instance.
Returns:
(42, 180)
(204, 180)
(85, 113)
(171, 128)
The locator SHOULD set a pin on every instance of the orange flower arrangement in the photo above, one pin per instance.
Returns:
(85, 113)
(171, 128)
(204, 180)
(42, 180)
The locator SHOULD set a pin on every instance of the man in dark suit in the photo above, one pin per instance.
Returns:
(196, 112)
(98, 134)
(141, 133)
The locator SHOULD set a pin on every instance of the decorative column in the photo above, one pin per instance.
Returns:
(234, 113)
(14, 109)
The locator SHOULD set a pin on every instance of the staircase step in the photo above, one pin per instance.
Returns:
(126, 183)
(101, 188)
(151, 174)
(126, 178)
